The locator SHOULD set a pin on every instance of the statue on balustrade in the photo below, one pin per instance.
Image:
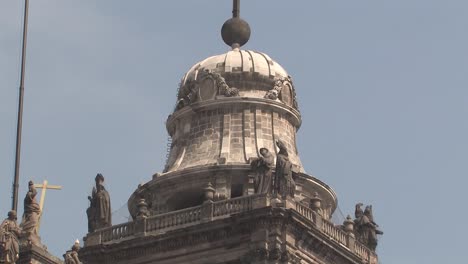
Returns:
(9, 239)
(366, 230)
(31, 215)
(263, 168)
(99, 211)
(71, 257)
(284, 184)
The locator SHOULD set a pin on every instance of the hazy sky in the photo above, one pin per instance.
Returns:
(382, 87)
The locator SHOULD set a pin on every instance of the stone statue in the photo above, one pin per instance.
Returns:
(358, 213)
(99, 211)
(284, 184)
(365, 228)
(32, 212)
(263, 168)
(9, 239)
(71, 257)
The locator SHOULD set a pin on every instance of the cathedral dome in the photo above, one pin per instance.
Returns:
(238, 61)
(232, 110)
(243, 73)
(228, 107)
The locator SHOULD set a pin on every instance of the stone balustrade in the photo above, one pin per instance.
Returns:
(362, 251)
(117, 232)
(173, 219)
(232, 206)
(334, 233)
(209, 211)
(337, 234)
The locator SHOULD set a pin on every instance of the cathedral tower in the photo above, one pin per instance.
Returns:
(206, 206)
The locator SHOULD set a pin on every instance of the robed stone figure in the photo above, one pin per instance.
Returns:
(99, 211)
(32, 212)
(284, 184)
(9, 239)
(366, 230)
(263, 168)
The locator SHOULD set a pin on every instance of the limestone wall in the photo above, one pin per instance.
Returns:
(229, 135)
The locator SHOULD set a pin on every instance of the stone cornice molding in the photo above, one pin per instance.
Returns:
(305, 238)
(221, 102)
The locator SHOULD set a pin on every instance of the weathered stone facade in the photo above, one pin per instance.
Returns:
(33, 254)
(202, 207)
(229, 135)
(248, 229)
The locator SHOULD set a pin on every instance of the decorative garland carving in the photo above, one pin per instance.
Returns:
(279, 83)
(274, 93)
(191, 86)
(221, 84)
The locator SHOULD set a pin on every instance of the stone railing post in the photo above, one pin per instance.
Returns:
(207, 207)
(275, 201)
(348, 225)
(208, 192)
(139, 225)
(316, 203)
(289, 203)
(260, 201)
(92, 239)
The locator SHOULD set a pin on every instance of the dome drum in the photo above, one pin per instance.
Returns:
(230, 133)
(178, 190)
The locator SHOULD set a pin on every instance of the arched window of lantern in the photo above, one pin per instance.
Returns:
(286, 94)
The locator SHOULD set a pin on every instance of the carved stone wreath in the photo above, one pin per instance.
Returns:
(274, 93)
(192, 87)
(279, 83)
(221, 84)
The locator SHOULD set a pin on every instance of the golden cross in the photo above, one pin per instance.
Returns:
(44, 186)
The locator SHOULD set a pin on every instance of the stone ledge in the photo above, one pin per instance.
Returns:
(250, 214)
(32, 254)
(291, 113)
(233, 238)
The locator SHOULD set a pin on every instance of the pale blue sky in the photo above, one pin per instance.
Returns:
(382, 87)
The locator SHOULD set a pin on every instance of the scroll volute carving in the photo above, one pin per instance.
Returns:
(188, 94)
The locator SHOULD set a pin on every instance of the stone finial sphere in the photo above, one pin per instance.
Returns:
(235, 31)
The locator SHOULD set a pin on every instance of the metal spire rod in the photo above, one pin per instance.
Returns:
(235, 8)
(19, 127)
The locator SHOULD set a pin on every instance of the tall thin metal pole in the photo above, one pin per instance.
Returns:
(19, 126)
(235, 8)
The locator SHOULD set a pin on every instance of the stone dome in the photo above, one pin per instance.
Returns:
(243, 73)
(238, 61)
